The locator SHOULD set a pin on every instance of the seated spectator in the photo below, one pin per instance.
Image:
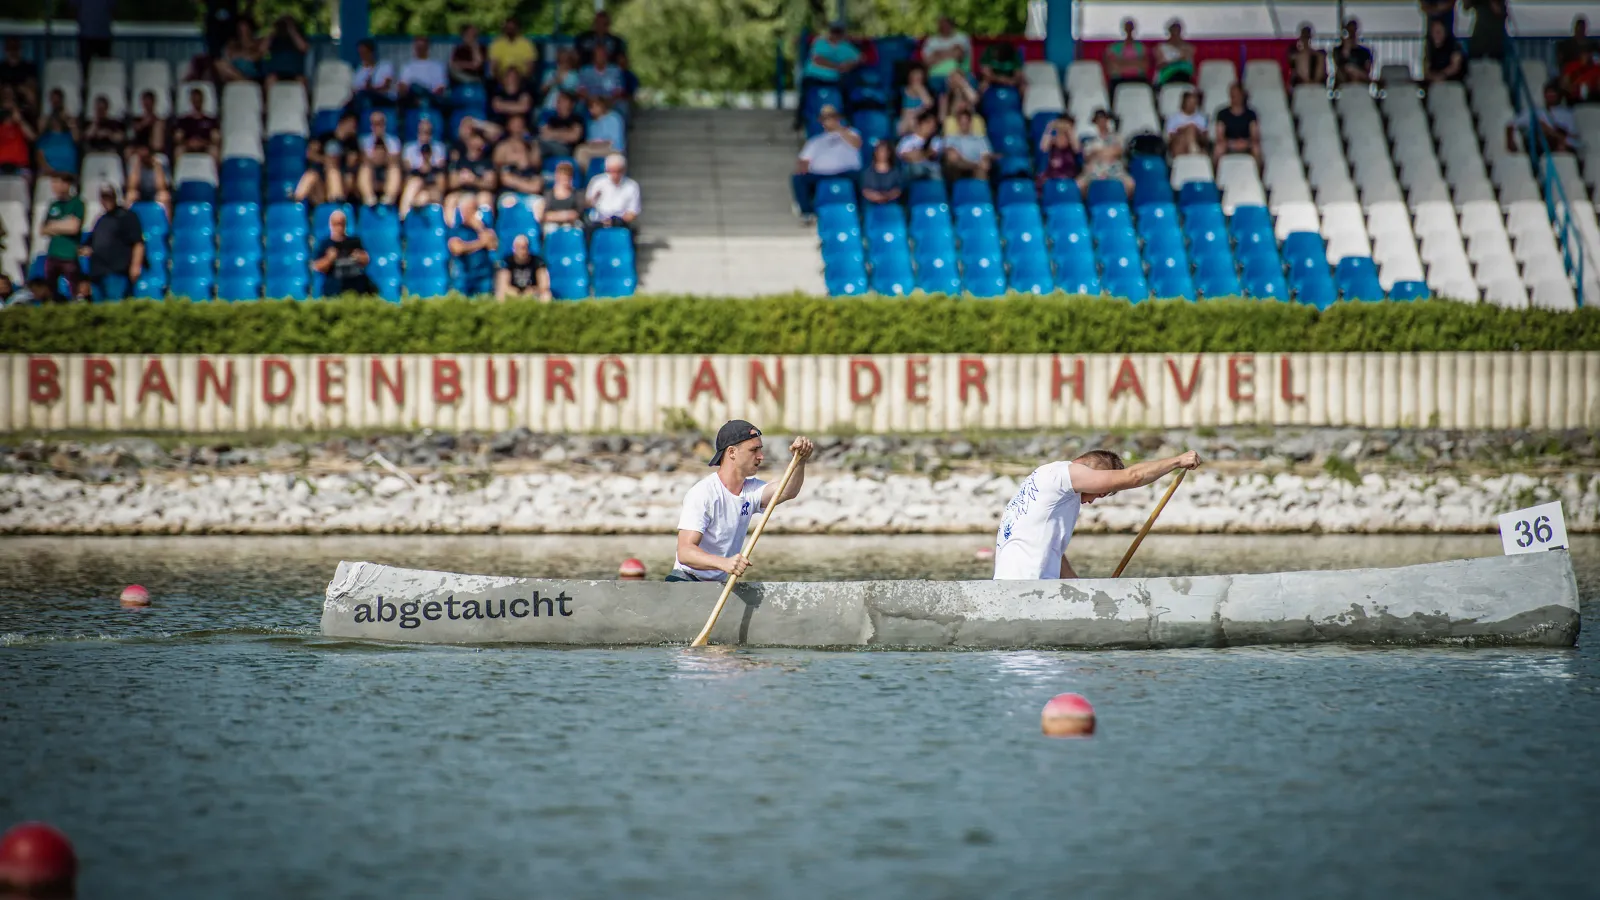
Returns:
(511, 50)
(286, 52)
(1062, 153)
(1352, 63)
(8, 290)
(374, 78)
(605, 135)
(563, 79)
(380, 164)
(882, 182)
(63, 224)
(1441, 56)
(1578, 61)
(966, 154)
(513, 99)
(1174, 57)
(1488, 38)
(599, 35)
(921, 150)
(1556, 123)
(466, 60)
(1578, 47)
(148, 177)
(1187, 128)
(915, 97)
(115, 251)
(951, 126)
(563, 204)
(602, 79)
(1000, 64)
(832, 56)
(147, 129)
(17, 134)
(54, 121)
(333, 164)
(472, 177)
(561, 129)
(342, 260)
(102, 132)
(834, 152)
(36, 292)
(613, 198)
(948, 56)
(422, 80)
(20, 74)
(241, 56)
(522, 274)
(1237, 128)
(519, 166)
(194, 131)
(1125, 62)
(426, 162)
(1307, 64)
(1103, 155)
(472, 243)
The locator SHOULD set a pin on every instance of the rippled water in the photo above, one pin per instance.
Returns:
(216, 746)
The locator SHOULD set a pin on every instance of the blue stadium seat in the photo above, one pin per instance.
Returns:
(1214, 276)
(982, 272)
(1124, 276)
(192, 277)
(835, 191)
(1410, 290)
(427, 258)
(615, 270)
(568, 261)
(194, 229)
(1015, 191)
(1104, 191)
(1151, 181)
(843, 259)
(1357, 279)
(286, 162)
(514, 217)
(969, 191)
(1169, 277)
(1061, 192)
(380, 235)
(1305, 256)
(926, 192)
(1199, 192)
(241, 181)
(1266, 285)
(152, 284)
(934, 249)
(239, 278)
(874, 126)
(1026, 254)
(239, 230)
(195, 192)
(59, 150)
(998, 100)
(889, 249)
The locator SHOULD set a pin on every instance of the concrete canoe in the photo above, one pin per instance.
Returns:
(1496, 601)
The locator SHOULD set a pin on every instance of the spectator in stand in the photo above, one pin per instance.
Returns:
(563, 204)
(916, 97)
(147, 129)
(1439, 11)
(522, 274)
(1441, 55)
(951, 127)
(54, 121)
(834, 153)
(380, 164)
(333, 164)
(103, 132)
(194, 131)
(1556, 123)
(1000, 64)
(563, 79)
(342, 260)
(241, 56)
(466, 60)
(1174, 57)
(426, 162)
(422, 80)
(948, 56)
(513, 99)
(1578, 61)
(63, 225)
(17, 135)
(20, 74)
(1126, 62)
(1577, 47)
(967, 154)
(1488, 39)
(1063, 155)
(519, 167)
(286, 52)
(1307, 64)
(604, 80)
(599, 35)
(8, 290)
(921, 150)
(148, 178)
(883, 182)
(605, 136)
(562, 128)
(511, 50)
(374, 78)
(1103, 155)
(1187, 128)
(94, 29)
(473, 243)
(1238, 131)
(472, 176)
(1352, 63)
(613, 199)
(115, 251)
(832, 57)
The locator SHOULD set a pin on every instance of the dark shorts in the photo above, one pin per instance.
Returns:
(63, 268)
(676, 575)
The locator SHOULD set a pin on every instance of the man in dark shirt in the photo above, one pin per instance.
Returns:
(1237, 128)
(194, 131)
(600, 35)
(561, 129)
(342, 260)
(1352, 63)
(115, 252)
(20, 74)
(523, 274)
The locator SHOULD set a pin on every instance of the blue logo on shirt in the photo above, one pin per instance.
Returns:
(745, 509)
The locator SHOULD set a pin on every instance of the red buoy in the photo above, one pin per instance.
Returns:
(1067, 715)
(135, 595)
(631, 569)
(36, 858)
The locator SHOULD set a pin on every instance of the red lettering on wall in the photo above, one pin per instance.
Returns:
(1241, 379)
(758, 378)
(44, 380)
(330, 375)
(224, 385)
(512, 388)
(1286, 382)
(1057, 379)
(705, 380)
(154, 381)
(97, 373)
(974, 374)
(397, 385)
(558, 373)
(917, 379)
(1185, 391)
(613, 389)
(1127, 380)
(859, 367)
(270, 367)
(446, 381)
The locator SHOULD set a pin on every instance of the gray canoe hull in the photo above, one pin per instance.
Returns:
(1503, 600)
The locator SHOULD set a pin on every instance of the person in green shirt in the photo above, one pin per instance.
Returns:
(1000, 64)
(63, 223)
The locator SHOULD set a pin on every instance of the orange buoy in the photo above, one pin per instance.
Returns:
(37, 859)
(135, 595)
(1067, 715)
(984, 554)
(631, 569)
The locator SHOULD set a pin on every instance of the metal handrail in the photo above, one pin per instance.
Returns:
(1573, 252)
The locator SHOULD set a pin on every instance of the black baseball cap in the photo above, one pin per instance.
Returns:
(736, 432)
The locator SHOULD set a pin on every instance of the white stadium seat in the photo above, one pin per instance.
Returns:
(67, 75)
(109, 78)
(100, 168)
(242, 143)
(286, 110)
(1135, 106)
(1190, 167)
(195, 167)
(154, 75)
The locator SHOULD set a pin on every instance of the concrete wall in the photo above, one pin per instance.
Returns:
(891, 393)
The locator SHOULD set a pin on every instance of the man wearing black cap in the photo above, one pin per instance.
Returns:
(717, 511)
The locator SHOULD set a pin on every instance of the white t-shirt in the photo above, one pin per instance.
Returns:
(721, 518)
(369, 77)
(424, 73)
(413, 155)
(1037, 525)
(612, 199)
(830, 154)
(1179, 119)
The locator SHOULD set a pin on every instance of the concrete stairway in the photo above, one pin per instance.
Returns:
(717, 212)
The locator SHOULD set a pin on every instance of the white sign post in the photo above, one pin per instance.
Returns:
(1534, 529)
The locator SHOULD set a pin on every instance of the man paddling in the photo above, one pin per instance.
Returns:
(718, 509)
(1038, 522)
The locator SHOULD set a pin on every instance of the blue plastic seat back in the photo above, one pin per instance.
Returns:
(970, 191)
(516, 218)
(1169, 277)
(1106, 191)
(1301, 246)
(926, 192)
(1314, 291)
(874, 126)
(1410, 290)
(379, 227)
(195, 286)
(835, 191)
(1015, 191)
(152, 221)
(567, 257)
(612, 253)
(283, 149)
(1215, 277)
(1061, 192)
(426, 274)
(1266, 285)
(424, 230)
(1198, 192)
(190, 217)
(1357, 279)
(235, 169)
(196, 192)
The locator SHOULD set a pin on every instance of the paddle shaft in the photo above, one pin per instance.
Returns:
(1149, 522)
(749, 548)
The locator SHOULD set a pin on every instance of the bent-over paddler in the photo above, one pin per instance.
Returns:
(1038, 522)
(718, 509)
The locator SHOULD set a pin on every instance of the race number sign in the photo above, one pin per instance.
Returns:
(1533, 529)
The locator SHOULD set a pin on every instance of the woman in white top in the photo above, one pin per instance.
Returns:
(1187, 128)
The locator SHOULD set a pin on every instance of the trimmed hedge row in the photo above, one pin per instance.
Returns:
(787, 324)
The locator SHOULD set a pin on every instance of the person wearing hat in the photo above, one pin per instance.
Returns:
(832, 57)
(718, 509)
(835, 152)
(115, 251)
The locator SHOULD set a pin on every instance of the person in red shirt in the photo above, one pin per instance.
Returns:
(16, 134)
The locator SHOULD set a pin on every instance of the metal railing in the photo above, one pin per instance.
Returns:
(1568, 234)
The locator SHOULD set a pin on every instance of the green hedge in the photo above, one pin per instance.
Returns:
(786, 324)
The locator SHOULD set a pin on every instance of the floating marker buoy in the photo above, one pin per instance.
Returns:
(631, 569)
(135, 595)
(37, 859)
(984, 554)
(1067, 715)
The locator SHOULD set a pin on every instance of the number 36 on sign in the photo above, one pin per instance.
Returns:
(1533, 529)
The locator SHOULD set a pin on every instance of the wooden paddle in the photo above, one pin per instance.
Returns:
(749, 547)
(1149, 522)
